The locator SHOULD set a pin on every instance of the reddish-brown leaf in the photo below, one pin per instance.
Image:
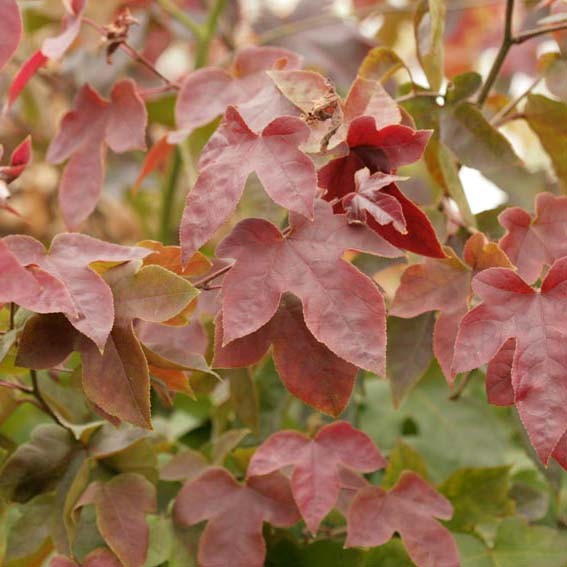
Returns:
(235, 514)
(121, 505)
(317, 463)
(307, 263)
(410, 509)
(10, 29)
(309, 370)
(445, 286)
(231, 155)
(511, 309)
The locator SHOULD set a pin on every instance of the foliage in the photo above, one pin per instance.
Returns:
(338, 361)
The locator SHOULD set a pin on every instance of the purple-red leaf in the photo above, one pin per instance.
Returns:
(231, 155)
(16, 283)
(235, 514)
(317, 463)
(206, 93)
(307, 263)
(85, 131)
(66, 267)
(10, 29)
(309, 370)
(532, 243)
(410, 509)
(511, 309)
(445, 286)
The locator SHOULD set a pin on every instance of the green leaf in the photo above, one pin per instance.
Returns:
(244, 397)
(547, 118)
(447, 434)
(477, 144)
(409, 352)
(429, 27)
(393, 554)
(462, 86)
(403, 458)
(516, 545)
(380, 64)
(478, 495)
(161, 541)
(325, 553)
(35, 467)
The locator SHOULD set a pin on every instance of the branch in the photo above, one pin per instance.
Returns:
(530, 34)
(203, 283)
(507, 42)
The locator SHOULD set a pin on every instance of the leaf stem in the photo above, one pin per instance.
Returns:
(14, 386)
(168, 198)
(41, 400)
(12, 314)
(202, 55)
(203, 283)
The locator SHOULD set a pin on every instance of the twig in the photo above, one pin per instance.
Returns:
(132, 53)
(202, 55)
(530, 34)
(12, 314)
(507, 43)
(184, 19)
(202, 283)
(41, 400)
(497, 119)
(461, 387)
(15, 386)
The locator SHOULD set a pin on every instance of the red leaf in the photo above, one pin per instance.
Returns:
(369, 200)
(411, 509)
(84, 134)
(121, 505)
(383, 150)
(307, 263)
(90, 309)
(309, 370)
(206, 93)
(235, 514)
(19, 160)
(231, 155)
(97, 558)
(532, 243)
(512, 309)
(445, 286)
(10, 29)
(317, 462)
(53, 48)
(155, 158)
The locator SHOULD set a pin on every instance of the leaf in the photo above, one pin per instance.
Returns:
(409, 353)
(187, 465)
(117, 380)
(16, 283)
(429, 26)
(463, 86)
(478, 495)
(545, 117)
(36, 466)
(154, 159)
(309, 370)
(380, 64)
(307, 262)
(19, 160)
(316, 464)
(96, 558)
(10, 31)
(411, 509)
(53, 48)
(235, 515)
(383, 150)
(369, 200)
(445, 286)
(286, 553)
(68, 260)
(477, 144)
(85, 132)
(403, 458)
(517, 545)
(121, 505)
(206, 93)
(534, 242)
(512, 309)
(231, 155)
